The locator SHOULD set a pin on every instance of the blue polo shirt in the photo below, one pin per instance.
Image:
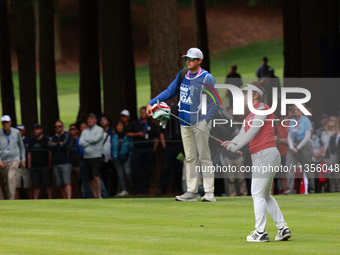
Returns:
(298, 132)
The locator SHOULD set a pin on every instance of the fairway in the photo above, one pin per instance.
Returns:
(164, 226)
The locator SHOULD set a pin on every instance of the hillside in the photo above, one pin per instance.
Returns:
(230, 25)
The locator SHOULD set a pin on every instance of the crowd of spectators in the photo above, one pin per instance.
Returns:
(92, 159)
(99, 158)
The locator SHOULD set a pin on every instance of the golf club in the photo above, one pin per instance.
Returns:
(213, 137)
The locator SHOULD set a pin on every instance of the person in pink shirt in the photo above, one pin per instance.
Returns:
(259, 133)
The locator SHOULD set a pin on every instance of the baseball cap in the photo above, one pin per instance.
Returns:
(125, 113)
(270, 69)
(37, 126)
(91, 115)
(265, 58)
(324, 116)
(21, 127)
(5, 118)
(194, 53)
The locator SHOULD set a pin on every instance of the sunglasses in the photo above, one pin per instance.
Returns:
(190, 59)
(72, 129)
(58, 126)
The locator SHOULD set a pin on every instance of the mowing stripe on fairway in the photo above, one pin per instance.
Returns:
(164, 226)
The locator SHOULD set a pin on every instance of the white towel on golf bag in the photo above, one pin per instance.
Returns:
(161, 113)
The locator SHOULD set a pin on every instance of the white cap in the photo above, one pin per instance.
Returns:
(125, 113)
(194, 53)
(21, 127)
(5, 118)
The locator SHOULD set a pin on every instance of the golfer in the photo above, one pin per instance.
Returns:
(195, 143)
(264, 153)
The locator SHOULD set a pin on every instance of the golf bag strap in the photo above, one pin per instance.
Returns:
(181, 77)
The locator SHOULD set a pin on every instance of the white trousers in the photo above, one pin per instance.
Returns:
(197, 153)
(262, 181)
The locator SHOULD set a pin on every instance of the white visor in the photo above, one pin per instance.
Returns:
(252, 87)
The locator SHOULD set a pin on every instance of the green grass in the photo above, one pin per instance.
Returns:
(164, 226)
(247, 58)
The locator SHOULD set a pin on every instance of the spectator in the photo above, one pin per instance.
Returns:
(172, 146)
(92, 141)
(107, 168)
(318, 147)
(263, 70)
(74, 133)
(233, 180)
(39, 162)
(144, 134)
(273, 82)
(85, 188)
(24, 184)
(125, 117)
(233, 78)
(300, 150)
(330, 139)
(281, 138)
(318, 152)
(12, 155)
(323, 123)
(60, 145)
(122, 148)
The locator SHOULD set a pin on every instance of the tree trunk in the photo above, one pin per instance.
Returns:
(26, 65)
(119, 82)
(49, 110)
(291, 38)
(89, 90)
(7, 94)
(164, 53)
(36, 28)
(311, 39)
(201, 34)
(164, 49)
(57, 34)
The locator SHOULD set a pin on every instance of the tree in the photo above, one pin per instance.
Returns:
(311, 39)
(164, 48)
(119, 83)
(57, 34)
(89, 89)
(7, 94)
(201, 34)
(25, 45)
(58, 52)
(49, 109)
(164, 51)
(292, 65)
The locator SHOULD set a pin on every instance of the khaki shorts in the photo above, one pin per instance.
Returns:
(24, 178)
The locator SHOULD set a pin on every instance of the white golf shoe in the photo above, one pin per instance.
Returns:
(208, 197)
(283, 234)
(256, 237)
(187, 196)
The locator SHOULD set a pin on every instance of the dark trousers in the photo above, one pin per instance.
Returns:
(109, 177)
(141, 164)
(169, 157)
